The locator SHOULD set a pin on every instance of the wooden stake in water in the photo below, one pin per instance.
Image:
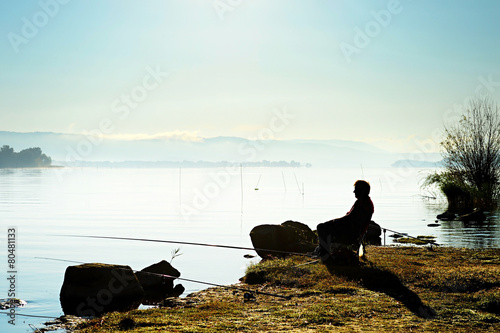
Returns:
(257, 186)
(180, 183)
(283, 176)
(241, 182)
(298, 186)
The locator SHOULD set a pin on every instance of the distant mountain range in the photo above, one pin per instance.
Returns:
(66, 149)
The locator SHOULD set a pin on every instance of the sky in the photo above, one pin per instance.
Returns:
(391, 73)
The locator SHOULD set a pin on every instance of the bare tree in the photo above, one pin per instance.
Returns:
(472, 150)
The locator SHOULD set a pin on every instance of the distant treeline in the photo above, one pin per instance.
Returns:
(27, 158)
(416, 164)
(183, 164)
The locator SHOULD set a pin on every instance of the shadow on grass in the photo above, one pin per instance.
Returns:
(379, 280)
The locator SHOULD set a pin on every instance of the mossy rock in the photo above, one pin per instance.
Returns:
(157, 287)
(272, 240)
(90, 290)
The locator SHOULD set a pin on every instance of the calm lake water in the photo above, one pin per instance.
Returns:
(218, 206)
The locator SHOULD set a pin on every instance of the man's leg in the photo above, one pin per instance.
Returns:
(325, 234)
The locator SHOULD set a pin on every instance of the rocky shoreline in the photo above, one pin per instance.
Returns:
(395, 289)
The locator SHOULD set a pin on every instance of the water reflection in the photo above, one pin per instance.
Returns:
(20, 188)
(145, 203)
(472, 234)
(462, 234)
(6, 171)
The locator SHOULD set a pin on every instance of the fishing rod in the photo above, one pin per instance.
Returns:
(182, 279)
(226, 246)
(406, 235)
(186, 243)
(28, 315)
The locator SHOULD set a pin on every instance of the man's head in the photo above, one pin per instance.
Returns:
(361, 189)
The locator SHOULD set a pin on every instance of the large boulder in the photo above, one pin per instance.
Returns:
(90, 290)
(372, 236)
(290, 236)
(157, 281)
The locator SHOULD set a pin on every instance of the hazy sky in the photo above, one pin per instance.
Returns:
(376, 71)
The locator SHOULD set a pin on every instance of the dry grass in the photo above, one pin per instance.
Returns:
(398, 289)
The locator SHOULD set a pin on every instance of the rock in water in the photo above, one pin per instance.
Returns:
(156, 287)
(372, 236)
(446, 216)
(477, 216)
(302, 230)
(290, 236)
(90, 290)
(7, 303)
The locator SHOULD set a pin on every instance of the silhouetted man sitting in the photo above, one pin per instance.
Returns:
(349, 228)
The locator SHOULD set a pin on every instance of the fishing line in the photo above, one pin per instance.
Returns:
(306, 263)
(71, 261)
(27, 315)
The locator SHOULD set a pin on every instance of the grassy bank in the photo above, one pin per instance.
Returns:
(396, 289)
